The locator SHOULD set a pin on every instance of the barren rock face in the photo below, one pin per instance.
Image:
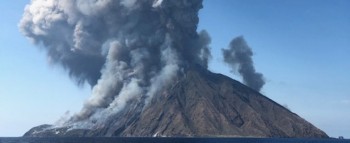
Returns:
(200, 103)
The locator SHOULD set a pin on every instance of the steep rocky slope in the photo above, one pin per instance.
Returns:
(200, 103)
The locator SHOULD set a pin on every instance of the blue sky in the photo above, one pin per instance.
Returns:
(301, 47)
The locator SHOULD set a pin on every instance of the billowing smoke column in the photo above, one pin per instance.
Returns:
(239, 56)
(125, 49)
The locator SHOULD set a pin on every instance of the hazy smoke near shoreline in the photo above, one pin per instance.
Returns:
(125, 49)
(239, 57)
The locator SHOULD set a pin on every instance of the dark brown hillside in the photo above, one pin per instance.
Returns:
(202, 103)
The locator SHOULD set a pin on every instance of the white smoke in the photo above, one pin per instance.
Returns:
(157, 3)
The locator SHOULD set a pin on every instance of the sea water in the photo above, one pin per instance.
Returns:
(163, 140)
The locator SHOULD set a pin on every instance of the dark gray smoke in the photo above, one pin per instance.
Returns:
(125, 49)
(239, 57)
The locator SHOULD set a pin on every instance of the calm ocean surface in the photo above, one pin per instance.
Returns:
(165, 140)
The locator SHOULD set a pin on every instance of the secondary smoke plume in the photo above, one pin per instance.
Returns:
(239, 57)
(125, 49)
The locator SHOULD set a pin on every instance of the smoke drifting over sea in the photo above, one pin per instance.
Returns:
(125, 49)
(239, 57)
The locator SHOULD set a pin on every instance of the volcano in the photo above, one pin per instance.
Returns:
(200, 103)
(147, 65)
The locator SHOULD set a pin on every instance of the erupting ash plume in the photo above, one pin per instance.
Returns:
(125, 49)
(239, 56)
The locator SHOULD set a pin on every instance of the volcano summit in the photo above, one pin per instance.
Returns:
(147, 66)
